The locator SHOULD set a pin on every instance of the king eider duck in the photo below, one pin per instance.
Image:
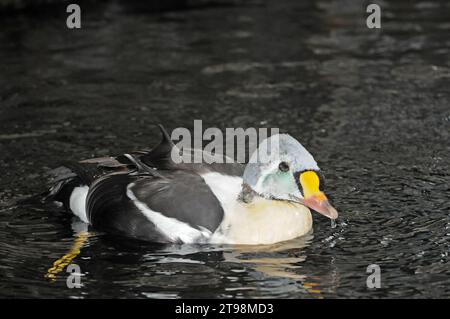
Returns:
(146, 195)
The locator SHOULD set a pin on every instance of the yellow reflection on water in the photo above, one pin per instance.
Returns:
(60, 264)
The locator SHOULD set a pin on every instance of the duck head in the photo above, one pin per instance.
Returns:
(282, 169)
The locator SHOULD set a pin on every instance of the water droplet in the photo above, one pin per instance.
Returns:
(333, 223)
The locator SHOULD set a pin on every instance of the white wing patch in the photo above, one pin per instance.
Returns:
(172, 228)
(77, 202)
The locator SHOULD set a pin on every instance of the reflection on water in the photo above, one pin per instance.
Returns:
(371, 105)
(61, 264)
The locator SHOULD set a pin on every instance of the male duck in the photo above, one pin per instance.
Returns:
(147, 196)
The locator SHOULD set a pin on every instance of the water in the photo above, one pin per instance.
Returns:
(373, 106)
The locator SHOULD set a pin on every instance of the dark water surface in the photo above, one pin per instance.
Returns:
(373, 106)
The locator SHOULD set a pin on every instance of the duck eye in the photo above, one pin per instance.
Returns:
(284, 167)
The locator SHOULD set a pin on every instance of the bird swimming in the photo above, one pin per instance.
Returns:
(147, 196)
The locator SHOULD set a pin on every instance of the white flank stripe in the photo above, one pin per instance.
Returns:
(77, 202)
(171, 227)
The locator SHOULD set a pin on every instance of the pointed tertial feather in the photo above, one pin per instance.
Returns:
(160, 155)
(166, 136)
(141, 167)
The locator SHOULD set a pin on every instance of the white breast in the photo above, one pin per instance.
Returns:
(260, 222)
